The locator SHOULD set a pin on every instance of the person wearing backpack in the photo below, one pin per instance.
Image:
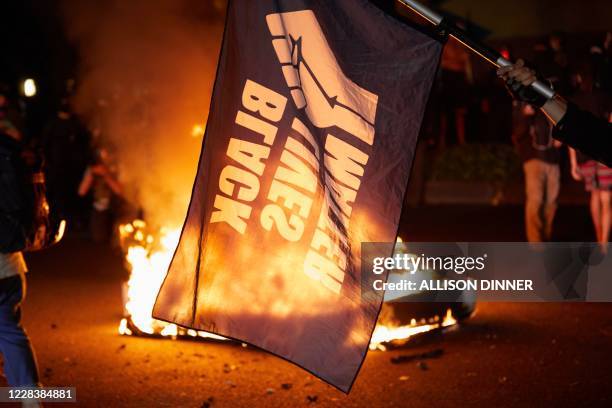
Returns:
(19, 361)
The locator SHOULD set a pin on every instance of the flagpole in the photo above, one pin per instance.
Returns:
(464, 38)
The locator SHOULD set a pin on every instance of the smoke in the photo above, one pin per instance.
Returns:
(146, 70)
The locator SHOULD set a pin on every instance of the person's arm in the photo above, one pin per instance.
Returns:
(587, 133)
(577, 128)
(519, 78)
(574, 165)
(86, 183)
(555, 109)
(114, 184)
(102, 171)
(8, 129)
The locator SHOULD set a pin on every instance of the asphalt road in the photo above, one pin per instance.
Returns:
(507, 355)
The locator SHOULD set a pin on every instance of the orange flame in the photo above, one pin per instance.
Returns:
(148, 256)
(386, 334)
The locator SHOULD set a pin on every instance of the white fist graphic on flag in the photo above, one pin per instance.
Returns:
(315, 79)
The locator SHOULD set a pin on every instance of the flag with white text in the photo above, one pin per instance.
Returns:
(308, 148)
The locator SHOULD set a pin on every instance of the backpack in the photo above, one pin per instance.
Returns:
(26, 220)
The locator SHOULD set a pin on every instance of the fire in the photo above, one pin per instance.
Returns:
(387, 330)
(148, 255)
(386, 334)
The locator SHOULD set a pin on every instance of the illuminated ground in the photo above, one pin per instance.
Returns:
(507, 355)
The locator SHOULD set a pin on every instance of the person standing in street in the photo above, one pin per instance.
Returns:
(101, 180)
(597, 180)
(532, 137)
(66, 146)
(597, 177)
(20, 366)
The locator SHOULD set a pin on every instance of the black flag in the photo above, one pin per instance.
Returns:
(308, 148)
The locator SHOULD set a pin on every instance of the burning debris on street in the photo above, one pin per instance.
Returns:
(148, 253)
(399, 335)
(153, 121)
